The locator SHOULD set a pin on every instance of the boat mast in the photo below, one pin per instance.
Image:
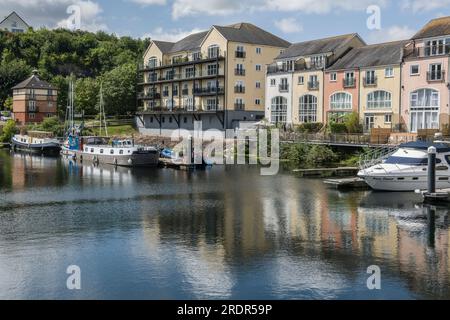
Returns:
(69, 121)
(102, 113)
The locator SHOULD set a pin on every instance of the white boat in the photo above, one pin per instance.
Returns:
(98, 150)
(406, 169)
(37, 145)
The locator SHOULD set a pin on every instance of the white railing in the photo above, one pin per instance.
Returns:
(375, 156)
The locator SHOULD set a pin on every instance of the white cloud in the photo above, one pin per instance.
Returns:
(392, 33)
(425, 5)
(172, 35)
(289, 25)
(53, 13)
(149, 2)
(181, 8)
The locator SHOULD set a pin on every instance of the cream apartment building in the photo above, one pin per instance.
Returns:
(295, 80)
(216, 77)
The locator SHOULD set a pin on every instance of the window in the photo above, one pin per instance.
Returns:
(388, 118)
(258, 67)
(333, 77)
(258, 50)
(239, 104)
(152, 62)
(435, 72)
(414, 71)
(258, 85)
(389, 72)
(213, 51)
(190, 72)
(341, 101)
(31, 115)
(31, 106)
(318, 61)
(370, 77)
(301, 80)
(424, 109)
(308, 109)
(211, 104)
(437, 47)
(111, 151)
(278, 110)
(273, 82)
(284, 86)
(258, 102)
(379, 100)
(212, 69)
(102, 151)
(196, 56)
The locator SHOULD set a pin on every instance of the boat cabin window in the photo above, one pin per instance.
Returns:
(447, 158)
(92, 150)
(121, 152)
(101, 151)
(410, 161)
(112, 151)
(86, 149)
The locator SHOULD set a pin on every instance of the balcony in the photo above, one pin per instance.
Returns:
(423, 52)
(283, 88)
(239, 106)
(436, 76)
(349, 83)
(239, 89)
(32, 109)
(182, 62)
(313, 85)
(240, 54)
(208, 91)
(239, 72)
(370, 82)
(149, 95)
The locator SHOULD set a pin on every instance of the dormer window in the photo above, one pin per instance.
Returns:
(318, 62)
(196, 56)
(437, 47)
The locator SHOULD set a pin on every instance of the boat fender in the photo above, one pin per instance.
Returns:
(130, 162)
(81, 158)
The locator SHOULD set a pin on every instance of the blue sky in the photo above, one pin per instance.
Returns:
(294, 20)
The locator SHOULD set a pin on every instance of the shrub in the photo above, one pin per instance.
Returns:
(352, 123)
(318, 156)
(9, 130)
(311, 127)
(337, 128)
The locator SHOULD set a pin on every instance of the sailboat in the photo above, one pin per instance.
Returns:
(103, 150)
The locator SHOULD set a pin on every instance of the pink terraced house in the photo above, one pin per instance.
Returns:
(425, 78)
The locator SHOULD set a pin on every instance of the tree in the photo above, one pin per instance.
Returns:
(87, 96)
(8, 104)
(9, 130)
(12, 73)
(119, 89)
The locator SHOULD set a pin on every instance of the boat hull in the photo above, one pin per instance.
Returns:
(47, 149)
(404, 183)
(139, 159)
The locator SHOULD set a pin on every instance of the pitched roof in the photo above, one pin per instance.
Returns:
(164, 46)
(325, 45)
(249, 33)
(191, 42)
(382, 54)
(11, 14)
(434, 28)
(34, 82)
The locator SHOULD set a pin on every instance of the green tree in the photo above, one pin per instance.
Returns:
(12, 73)
(87, 96)
(119, 89)
(8, 104)
(9, 130)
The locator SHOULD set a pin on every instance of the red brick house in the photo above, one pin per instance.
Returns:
(34, 100)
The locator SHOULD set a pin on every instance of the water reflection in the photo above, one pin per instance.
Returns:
(221, 233)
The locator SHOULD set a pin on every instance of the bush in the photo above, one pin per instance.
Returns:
(311, 127)
(353, 124)
(338, 128)
(319, 156)
(9, 130)
(50, 125)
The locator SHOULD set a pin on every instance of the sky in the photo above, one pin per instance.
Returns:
(293, 20)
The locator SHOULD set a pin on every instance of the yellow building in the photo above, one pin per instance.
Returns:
(216, 76)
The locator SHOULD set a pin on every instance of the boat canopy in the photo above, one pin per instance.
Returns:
(423, 145)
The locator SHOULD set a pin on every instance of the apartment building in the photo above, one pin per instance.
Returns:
(34, 100)
(216, 77)
(367, 80)
(425, 78)
(295, 80)
(14, 23)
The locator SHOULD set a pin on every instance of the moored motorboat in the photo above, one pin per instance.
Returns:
(406, 169)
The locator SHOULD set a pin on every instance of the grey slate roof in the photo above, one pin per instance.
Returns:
(164, 46)
(434, 28)
(191, 42)
(34, 82)
(240, 32)
(249, 33)
(382, 54)
(320, 46)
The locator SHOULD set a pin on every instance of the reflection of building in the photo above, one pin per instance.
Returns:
(14, 23)
(34, 100)
(216, 77)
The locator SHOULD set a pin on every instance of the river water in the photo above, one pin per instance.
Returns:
(222, 233)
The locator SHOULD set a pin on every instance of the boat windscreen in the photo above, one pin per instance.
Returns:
(409, 161)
